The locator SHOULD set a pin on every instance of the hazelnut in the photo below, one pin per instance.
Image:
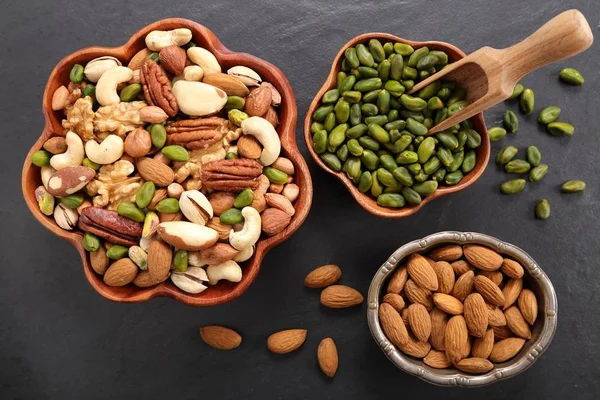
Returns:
(174, 190)
(138, 143)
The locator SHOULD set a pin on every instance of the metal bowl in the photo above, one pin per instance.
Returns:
(541, 333)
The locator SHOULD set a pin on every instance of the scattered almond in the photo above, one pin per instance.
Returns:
(398, 280)
(395, 300)
(476, 314)
(445, 276)
(450, 252)
(286, 341)
(340, 296)
(327, 356)
(511, 291)
(323, 276)
(482, 257)
(516, 323)
(421, 272)
(528, 306)
(392, 325)
(474, 365)
(489, 290)
(419, 321)
(506, 349)
(220, 338)
(448, 304)
(437, 359)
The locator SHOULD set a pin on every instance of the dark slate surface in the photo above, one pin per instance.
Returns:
(60, 340)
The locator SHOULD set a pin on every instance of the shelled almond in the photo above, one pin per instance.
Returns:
(462, 306)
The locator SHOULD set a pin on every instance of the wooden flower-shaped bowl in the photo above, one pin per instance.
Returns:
(223, 291)
(366, 201)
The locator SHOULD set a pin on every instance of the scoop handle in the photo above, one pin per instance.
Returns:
(563, 36)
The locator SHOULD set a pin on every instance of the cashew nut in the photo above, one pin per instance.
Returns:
(229, 270)
(73, 156)
(107, 152)
(158, 40)
(244, 254)
(264, 132)
(106, 89)
(249, 233)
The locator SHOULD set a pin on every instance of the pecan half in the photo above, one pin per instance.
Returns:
(195, 134)
(157, 88)
(110, 226)
(231, 175)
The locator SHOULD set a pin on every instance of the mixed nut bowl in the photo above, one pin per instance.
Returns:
(170, 163)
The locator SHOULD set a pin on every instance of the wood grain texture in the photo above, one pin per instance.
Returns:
(223, 291)
(364, 200)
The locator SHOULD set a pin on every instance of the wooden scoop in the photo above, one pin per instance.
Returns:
(489, 75)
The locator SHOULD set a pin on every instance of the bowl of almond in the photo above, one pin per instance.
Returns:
(462, 309)
(170, 163)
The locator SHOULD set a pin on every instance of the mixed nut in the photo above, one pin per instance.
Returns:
(369, 128)
(462, 306)
(170, 167)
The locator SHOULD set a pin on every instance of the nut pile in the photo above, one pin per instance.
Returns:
(465, 307)
(370, 129)
(169, 166)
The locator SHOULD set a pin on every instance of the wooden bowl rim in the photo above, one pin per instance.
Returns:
(364, 200)
(286, 130)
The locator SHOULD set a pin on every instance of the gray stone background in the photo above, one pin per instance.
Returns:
(60, 340)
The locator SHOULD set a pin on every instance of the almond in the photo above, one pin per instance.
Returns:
(421, 272)
(474, 365)
(489, 290)
(173, 59)
(160, 256)
(273, 221)
(516, 323)
(398, 280)
(327, 356)
(340, 296)
(448, 304)
(512, 268)
(159, 194)
(138, 143)
(419, 321)
(495, 316)
(153, 115)
(506, 349)
(528, 306)
(286, 341)
(502, 332)
(455, 338)
(482, 347)
(259, 101)
(439, 319)
(220, 338)
(437, 359)
(139, 58)
(228, 83)
(404, 316)
(466, 347)
(221, 202)
(99, 260)
(450, 252)
(463, 286)
(323, 276)
(166, 217)
(482, 257)
(120, 273)
(218, 253)
(272, 117)
(155, 171)
(60, 98)
(476, 314)
(429, 260)
(395, 300)
(249, 147)
(418, 295)
(511, 291)
(445, 276)
(494, 276)
(221, 228)
(280, 202)
(415, 348)
(143, 280)
(392, 325)
(56, 145)
(461, 267)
